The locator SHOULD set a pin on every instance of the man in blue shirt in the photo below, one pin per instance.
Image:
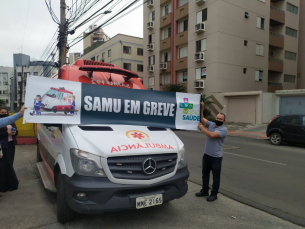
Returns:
(213, 152)
(10, 119)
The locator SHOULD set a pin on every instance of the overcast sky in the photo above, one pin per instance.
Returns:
(26, 26)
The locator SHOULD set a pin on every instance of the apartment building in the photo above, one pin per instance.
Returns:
(122, 50)
(213, 46)
(6, 76)
(301, 59)
(74, 57)
(99, 36)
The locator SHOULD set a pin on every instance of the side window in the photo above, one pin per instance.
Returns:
(291, 120)
(303, 119)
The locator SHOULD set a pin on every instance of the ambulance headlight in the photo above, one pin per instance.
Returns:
(183, 158)
(86, 164)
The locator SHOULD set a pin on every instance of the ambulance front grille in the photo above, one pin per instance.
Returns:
(131, 167)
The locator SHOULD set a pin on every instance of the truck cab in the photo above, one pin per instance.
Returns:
(98, 168)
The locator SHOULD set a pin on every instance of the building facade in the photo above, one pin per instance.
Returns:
(301, 65)
(74, 57)
(214, 46)
(6, 77)
(98, 36)
(122, 50)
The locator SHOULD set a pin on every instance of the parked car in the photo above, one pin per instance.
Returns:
(287, 128)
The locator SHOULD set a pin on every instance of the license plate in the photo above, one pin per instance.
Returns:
(148, 201)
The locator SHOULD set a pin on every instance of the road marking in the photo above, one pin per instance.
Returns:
(256, 159)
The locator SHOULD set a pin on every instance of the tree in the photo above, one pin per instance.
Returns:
(207, 103)
(2, 103)
(174, 88)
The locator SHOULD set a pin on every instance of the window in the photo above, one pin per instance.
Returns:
(19, 73)
(98, 58)
(246, 15)
(167, 56)
(151, 81)
(289, 78)
(127, 49)
(292, 120)
(245, 70)
(127, 66)
(182, 77)
(245, 43)
(140, 52)
(167, 9)
(182, 26)
(103, 57)
(93, 58)
(260, 23)
(167, 79)
(259, 50)
(299, 75)
(109, 53)
(202, 16)
(151, 16)
(291, 32)
(200, 73)
(151, 38)
(183, 52)
(290, 55)
(291, 8)
(258, 75)
(182, 2)
(166, 33)
(35, 73)
(201, 45)
(140, 67)
(303, 118)
(151, 60)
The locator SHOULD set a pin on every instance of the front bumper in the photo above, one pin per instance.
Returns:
(103, 195)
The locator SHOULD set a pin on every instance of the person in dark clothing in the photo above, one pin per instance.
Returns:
(8, 178)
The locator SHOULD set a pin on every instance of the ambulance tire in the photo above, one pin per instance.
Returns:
(64, 212)
(38, 157)
(67, 110)
(54, 109)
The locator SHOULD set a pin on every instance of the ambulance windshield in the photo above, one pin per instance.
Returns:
(54, 94)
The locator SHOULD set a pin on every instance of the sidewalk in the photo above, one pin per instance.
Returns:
(31, 206)
(247, 130)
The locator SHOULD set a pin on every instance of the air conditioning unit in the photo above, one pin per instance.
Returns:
(163, 66)
(200, 27)
(199, 57)
(150, 3)
(150, 68)
(150, 25)
(150, 47)
(199, 2)
(199, 84)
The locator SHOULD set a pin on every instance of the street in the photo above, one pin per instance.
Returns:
(270, 178)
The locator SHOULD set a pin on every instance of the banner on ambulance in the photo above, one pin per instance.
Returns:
(66, 102)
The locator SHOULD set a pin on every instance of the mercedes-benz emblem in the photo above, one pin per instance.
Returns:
(149, 166)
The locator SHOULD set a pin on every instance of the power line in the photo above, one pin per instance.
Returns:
(26, 20)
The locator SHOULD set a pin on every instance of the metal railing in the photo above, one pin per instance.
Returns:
(278, 10)
(276, 34)
(276, 60)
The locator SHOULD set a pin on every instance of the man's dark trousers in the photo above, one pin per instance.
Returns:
(211, 164)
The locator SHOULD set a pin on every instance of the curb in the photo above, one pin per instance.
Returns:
(26, 141)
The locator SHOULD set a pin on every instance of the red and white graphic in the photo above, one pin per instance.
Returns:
(137, 136)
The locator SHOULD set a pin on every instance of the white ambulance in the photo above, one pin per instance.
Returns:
(99, 168)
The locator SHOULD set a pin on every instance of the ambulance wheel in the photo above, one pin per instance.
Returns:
(67, 110)
(64, 212)
(54, 109)
(38, 157)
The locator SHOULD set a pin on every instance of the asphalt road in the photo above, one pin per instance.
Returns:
(254, 172)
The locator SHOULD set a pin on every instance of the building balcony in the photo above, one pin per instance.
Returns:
(277, 16)
(165, 44)
(275, 65)
(181, 64)
(272, 87)
(181, 38)
(275, 1)
(166, 20)
(276, 40)
(162, 2)
(182, 12)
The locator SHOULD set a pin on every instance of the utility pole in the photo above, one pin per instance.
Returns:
(21, 88)
(62, 34)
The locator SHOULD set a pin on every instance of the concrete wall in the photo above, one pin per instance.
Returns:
(269, 103)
